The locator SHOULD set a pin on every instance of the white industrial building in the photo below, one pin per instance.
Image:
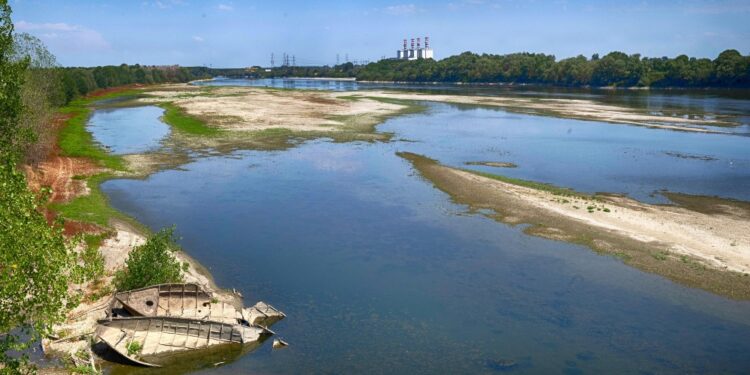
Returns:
(416, 53)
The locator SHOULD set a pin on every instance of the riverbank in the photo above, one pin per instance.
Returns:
(701, 243)
(73, 170)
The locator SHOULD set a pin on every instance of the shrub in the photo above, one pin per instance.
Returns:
(134, 347)
(151, 263)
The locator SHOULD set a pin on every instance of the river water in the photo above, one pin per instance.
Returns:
(379, 272)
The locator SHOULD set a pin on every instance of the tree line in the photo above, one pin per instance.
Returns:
(729, 69)
(81, 81)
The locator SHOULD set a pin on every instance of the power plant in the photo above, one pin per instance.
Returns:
(416, 53)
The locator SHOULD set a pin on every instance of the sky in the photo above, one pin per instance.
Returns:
(237, 33)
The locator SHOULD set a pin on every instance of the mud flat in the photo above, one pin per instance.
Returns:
(701, 242)
(567, 108)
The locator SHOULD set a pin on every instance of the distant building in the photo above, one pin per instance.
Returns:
(416, 53)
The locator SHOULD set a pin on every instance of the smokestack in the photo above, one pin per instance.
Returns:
(404, 44)
(412, 43)
(427, 42)
(419, 43)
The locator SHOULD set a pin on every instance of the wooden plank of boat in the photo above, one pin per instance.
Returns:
(190, 301)
(164, 299)
(144, 340)
(262, 314)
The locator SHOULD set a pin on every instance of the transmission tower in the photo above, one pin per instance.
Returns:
(272, 62)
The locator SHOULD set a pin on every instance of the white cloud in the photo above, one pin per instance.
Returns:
(225, 7)
(401, 9)
(198, 39)
(65, 36)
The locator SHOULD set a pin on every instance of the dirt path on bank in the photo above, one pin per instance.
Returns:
(710, 251)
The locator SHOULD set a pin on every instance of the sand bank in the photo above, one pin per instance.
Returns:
(709, 249)
(567, 108)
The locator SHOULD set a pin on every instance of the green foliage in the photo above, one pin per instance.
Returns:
(36, 262)
(134, 347)
(40, 94)
(13, 136)
(730, 69)
(77, 82)
(36, 266)
(151, 263)
(177, 118)
(85, 370)
(91, 259)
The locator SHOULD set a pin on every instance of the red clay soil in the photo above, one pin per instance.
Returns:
(57, 172)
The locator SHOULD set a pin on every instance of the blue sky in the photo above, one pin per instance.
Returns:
(241, 33)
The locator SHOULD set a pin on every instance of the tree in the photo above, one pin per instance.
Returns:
(731, 68)
(36, 262)
(41, 93)
(12, 137)
(151, 263)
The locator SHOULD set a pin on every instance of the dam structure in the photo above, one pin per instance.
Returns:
(415, 53)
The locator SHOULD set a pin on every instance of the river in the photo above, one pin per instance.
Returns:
(379, 272)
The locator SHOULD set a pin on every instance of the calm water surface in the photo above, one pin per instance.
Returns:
(128, 130)
(379, 272)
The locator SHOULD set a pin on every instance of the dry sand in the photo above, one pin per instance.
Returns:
(254, 109)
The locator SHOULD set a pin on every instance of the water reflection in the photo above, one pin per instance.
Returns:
(128, 130)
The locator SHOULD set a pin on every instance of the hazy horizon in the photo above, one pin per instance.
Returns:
(238, 33)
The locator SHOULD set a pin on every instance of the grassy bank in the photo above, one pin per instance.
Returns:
(176, 117)
(73, 138)
(92, 207)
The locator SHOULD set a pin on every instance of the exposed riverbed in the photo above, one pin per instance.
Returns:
(380, 272)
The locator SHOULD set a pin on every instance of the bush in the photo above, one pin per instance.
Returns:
(151, 263)
(134, 348)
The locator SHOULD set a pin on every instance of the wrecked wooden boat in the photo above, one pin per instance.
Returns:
(189, 301)
(150, 341)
